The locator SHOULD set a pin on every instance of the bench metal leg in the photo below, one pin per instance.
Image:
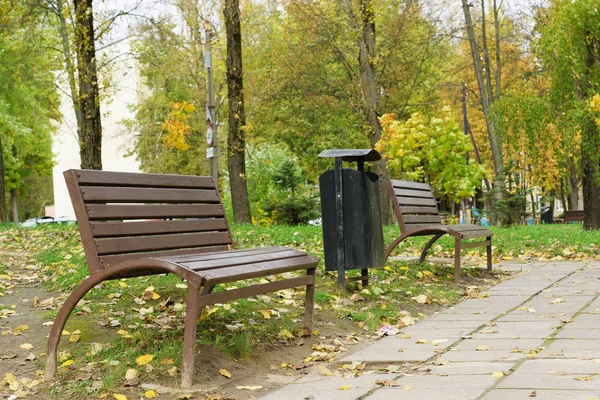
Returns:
(489, 253)
(189, 336)
(429, 244)
(309, 303)
(61, 320)
(393, 245)
(457, 248)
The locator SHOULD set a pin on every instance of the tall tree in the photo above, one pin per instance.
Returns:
(28, 102)
(236, 137)
(486, 96)
(569, 46)
(90, 141)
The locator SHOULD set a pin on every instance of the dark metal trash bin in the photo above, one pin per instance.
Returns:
(351, 215)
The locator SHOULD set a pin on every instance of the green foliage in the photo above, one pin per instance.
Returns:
(28, 99)
(286, 205)
(169, 134)
(435, 150)
(569, 39)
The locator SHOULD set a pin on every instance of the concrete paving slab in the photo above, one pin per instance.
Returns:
(326, 388)
(581, 344)
(587, 354)
(447, 382)
(470, 368)
(490, 355)
(559, 366)
(498, 344)
(530, 317)
(549, 381)
(425, 394)
(579, 334)
(453, 314)
(526, 394)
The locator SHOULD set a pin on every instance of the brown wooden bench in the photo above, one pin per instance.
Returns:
(573, 216)
(135, 224)
(417, 214)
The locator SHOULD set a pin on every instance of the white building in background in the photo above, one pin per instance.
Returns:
(65, 146)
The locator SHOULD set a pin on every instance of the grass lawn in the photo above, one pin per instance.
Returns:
(122, 320)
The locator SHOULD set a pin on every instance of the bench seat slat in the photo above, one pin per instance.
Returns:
(160, 242)
(149, 227)
(108, 260)
(92, 194)
(233, 261)
(110, 178)
(186, 259)
(248, 271)
(130, 211)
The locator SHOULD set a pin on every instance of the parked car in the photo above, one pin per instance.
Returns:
(46, 220)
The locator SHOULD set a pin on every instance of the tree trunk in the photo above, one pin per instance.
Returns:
(2, 186)
(591, 189)
(497, 37)
(365, 26)
(485, 101)
(236, 141)
(590, 142)
(573, 182)
(14, 208)
(70, 68)
(90, 141)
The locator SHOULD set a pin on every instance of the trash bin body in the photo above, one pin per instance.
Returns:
(363, 233)
(351, 215)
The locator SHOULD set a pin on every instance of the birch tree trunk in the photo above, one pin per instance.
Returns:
(236, 140)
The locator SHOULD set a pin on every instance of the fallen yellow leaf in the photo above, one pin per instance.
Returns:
(266, 314)
(150, 394)
(67, 363)
(143, 360)
(26, 346)
(131, 374)
(123, 284)
(119, 396)
(74, 338)
(498, 374)
(584, 378)
(256, 387)
(345, 387)
(225, 373)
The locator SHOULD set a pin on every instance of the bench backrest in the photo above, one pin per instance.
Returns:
(414, 204)
(574, 215)
(130, 215)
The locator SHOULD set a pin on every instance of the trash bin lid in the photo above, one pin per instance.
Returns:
(352, 155)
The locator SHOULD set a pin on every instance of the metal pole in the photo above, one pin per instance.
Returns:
(212, 154)
(339, 221)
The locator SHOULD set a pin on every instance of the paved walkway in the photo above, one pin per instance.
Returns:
(536, 336)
